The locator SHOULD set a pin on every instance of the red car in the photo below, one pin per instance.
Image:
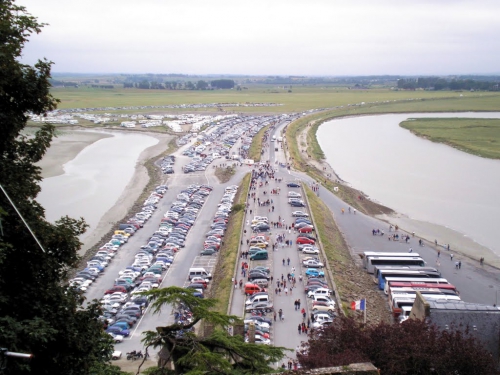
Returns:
(305, 240)
(116, 288)
(305, 230)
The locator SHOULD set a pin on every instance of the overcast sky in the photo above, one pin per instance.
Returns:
(279, 37)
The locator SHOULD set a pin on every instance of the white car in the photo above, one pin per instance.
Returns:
(294, 194)
(325, 299)
(116, 355)
(312, 264)
(319, 292)
(116, 338)
(299, 214)
(310, 250)
(260, 340)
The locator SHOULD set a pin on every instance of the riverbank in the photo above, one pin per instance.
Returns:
(460, 244)
(71, 142)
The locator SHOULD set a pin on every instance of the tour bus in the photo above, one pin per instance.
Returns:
(445, 288)
(383, 274)
(389, 280)
(409, 260)
(369, 254)
(400, 299)
(377, 269)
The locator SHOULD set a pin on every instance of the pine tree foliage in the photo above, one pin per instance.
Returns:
(216, 353)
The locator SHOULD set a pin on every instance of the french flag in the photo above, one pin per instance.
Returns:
(358, 305)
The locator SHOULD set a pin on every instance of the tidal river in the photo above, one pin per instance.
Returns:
(426, 181)
(94, 180)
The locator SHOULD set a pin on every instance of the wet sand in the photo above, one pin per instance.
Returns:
(69, 144)
(64, 148)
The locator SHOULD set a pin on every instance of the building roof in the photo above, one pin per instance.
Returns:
(460, 306)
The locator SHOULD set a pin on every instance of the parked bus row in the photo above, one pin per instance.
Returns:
(401, 275)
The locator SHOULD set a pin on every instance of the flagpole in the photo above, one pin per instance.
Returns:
(365, 312)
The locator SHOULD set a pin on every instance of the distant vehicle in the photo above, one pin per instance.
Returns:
(292, 184)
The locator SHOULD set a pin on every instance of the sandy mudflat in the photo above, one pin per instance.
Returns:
(70, 143)
(64, 148)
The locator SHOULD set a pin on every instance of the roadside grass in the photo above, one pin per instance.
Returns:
(254, 152)
(351, 282)
(225, 174)
(223, 273)
(334, 245)
(475, 136)
(302, 98)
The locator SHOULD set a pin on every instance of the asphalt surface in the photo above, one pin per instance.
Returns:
(476, 283)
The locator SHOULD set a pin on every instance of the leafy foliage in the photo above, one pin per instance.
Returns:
(217, 352)
(38, 315)
(413, 347)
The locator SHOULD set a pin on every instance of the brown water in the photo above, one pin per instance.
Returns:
(94, 180)
(427, 181)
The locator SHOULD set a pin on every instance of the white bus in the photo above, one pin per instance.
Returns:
(369, 254)
(409, 260)
(428, 280)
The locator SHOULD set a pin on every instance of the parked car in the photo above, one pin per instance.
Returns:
(313, 272)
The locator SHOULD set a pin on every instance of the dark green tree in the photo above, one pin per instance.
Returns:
(413, 347)
(216, 352)
(201, 85)
(38, 313)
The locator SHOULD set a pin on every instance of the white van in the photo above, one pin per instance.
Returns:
(215, 155)
(199, 272)
(258, 297)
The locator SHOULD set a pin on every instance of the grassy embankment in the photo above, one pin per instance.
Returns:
(351, 282)
(155, 178)
(479, 137)
(223, 273)
(302, 98)
(254, 152)
(334, 245)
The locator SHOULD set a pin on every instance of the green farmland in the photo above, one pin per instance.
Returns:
(476, 136)
(301, 98)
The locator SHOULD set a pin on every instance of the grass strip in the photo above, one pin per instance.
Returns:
(475, 136)
(334, 245)
(254, 152)
(223, 272)
(351, 282)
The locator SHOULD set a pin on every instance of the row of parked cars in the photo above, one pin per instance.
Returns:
(316, 288)
(151, 262)
(101, 259)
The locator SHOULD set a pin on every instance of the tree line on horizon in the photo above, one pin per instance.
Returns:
(175, 85)
(439, 83)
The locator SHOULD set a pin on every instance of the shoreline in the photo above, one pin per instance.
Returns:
(460, 244)
(67, 147)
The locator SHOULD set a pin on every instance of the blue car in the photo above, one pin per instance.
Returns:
(118, 331)
(293, 184)
(311, 272)
(122, 325)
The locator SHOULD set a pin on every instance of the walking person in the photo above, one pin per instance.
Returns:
(274, 316)
(288, 260)
(299, 328)
(459, 266)
(451, 257)
(280, 314)
(286, 291)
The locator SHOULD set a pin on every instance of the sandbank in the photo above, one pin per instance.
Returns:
(64, 148)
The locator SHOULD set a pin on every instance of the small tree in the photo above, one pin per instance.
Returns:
(217, 352)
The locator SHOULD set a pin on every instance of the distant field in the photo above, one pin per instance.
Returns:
(476, 136)
(301, 98)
